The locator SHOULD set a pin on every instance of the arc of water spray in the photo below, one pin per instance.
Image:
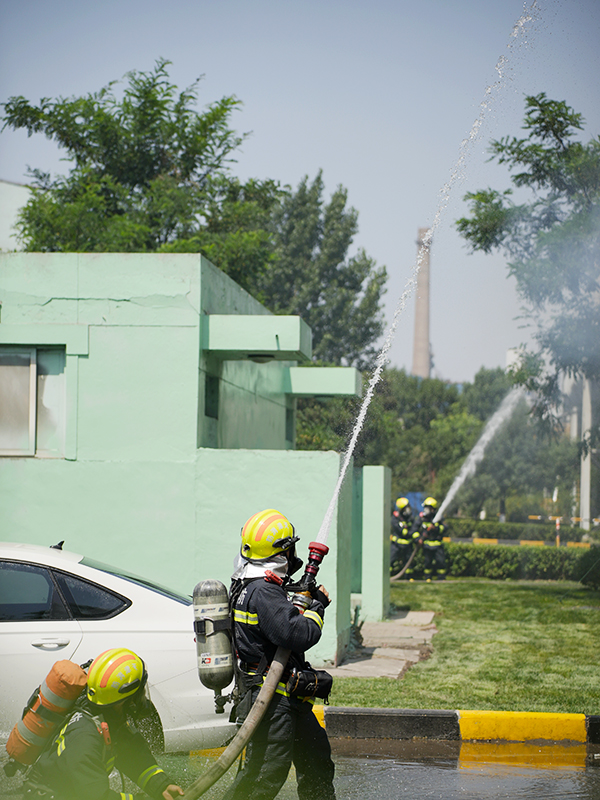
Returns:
(504, 411)
(518, 30)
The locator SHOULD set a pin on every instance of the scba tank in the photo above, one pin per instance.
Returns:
(212, 626)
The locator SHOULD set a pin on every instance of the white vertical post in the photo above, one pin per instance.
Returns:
(421, 365)
(586, 460)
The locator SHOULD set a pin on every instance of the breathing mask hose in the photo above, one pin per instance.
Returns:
(303, 589)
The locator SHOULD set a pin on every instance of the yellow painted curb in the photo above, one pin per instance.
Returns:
(521, 726)
(532, 542)
(487, 755)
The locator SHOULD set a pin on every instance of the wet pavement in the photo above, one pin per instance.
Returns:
(386, 770)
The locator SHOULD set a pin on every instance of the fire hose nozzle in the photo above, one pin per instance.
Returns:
(302, 601)
(307, 583)
(316, 553)
(303, 590)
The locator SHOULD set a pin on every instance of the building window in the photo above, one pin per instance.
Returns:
(32, 401)
(211, 396)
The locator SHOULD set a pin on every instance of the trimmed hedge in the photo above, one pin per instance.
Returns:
(491, 529)
(589, 567)
(503, 562)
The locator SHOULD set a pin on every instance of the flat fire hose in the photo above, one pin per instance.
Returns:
(243, 736)
(407, 565)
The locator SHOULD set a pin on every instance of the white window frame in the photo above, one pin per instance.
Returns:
(32, 353)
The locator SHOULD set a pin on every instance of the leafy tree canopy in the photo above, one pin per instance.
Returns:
(140, 165)
(552, 242)
(519, 467)
(422, 429)
(150, 174)
(313, 275)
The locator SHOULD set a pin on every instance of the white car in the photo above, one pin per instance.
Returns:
(58, 605)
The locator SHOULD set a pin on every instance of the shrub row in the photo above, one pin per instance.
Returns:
(490, 529)
(502, 562)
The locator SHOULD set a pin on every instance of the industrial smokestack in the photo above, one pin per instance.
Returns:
(421, 365)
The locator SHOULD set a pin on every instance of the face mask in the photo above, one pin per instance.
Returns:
(295, 564)
(140, 705)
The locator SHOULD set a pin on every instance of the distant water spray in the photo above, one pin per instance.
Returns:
(504, 411)
(518, 30)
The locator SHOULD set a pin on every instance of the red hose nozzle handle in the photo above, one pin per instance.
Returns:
(316, 554)
(307, 583)
(317, 550)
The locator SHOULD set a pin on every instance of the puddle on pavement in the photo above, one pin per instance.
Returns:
(382, 769)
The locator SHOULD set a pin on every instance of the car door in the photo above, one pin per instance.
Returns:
(161, 630)
(36, 630)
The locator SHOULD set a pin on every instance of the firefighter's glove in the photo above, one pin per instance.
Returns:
(322, 596)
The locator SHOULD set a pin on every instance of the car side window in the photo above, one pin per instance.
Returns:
(27, 592)
(88, 600)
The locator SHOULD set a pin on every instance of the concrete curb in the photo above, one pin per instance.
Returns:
(392, 723)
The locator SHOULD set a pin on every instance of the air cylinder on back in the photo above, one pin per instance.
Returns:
(212, 625)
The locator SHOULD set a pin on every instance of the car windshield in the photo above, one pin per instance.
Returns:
(128, 576)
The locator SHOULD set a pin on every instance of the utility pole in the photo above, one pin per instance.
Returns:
(421, 366)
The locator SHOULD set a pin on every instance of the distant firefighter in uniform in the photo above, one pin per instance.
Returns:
(401, 536)
(431, 536)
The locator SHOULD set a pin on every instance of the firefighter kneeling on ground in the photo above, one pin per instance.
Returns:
(98, 736)
(402, 537)
(431, 536)
(263, 620)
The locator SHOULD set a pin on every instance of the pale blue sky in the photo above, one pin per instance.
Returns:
(378, 94)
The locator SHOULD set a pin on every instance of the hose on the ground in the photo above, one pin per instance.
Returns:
(398, 575)
(243, 736)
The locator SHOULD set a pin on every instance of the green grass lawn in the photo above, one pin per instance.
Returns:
(501, 645)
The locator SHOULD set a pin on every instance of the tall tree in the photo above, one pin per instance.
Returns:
(149, 173)
(552, 243)
(520, 465)
(313, 275)
(418, 428)
(140, 165)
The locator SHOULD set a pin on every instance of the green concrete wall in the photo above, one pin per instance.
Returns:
(233, 485)
(252, 403)
(133, 488)
(179, 523)
(375, 582)
(357, 531)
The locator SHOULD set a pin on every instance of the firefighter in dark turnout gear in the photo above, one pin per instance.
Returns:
(97, 737)
(402, 537)
(263, 620)
(431, 536)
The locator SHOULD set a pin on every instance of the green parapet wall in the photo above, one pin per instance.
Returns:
(357, 529)
(146, 479)
(375, 579)
(231, 485)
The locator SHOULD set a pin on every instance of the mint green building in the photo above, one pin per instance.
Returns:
(148, 408)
